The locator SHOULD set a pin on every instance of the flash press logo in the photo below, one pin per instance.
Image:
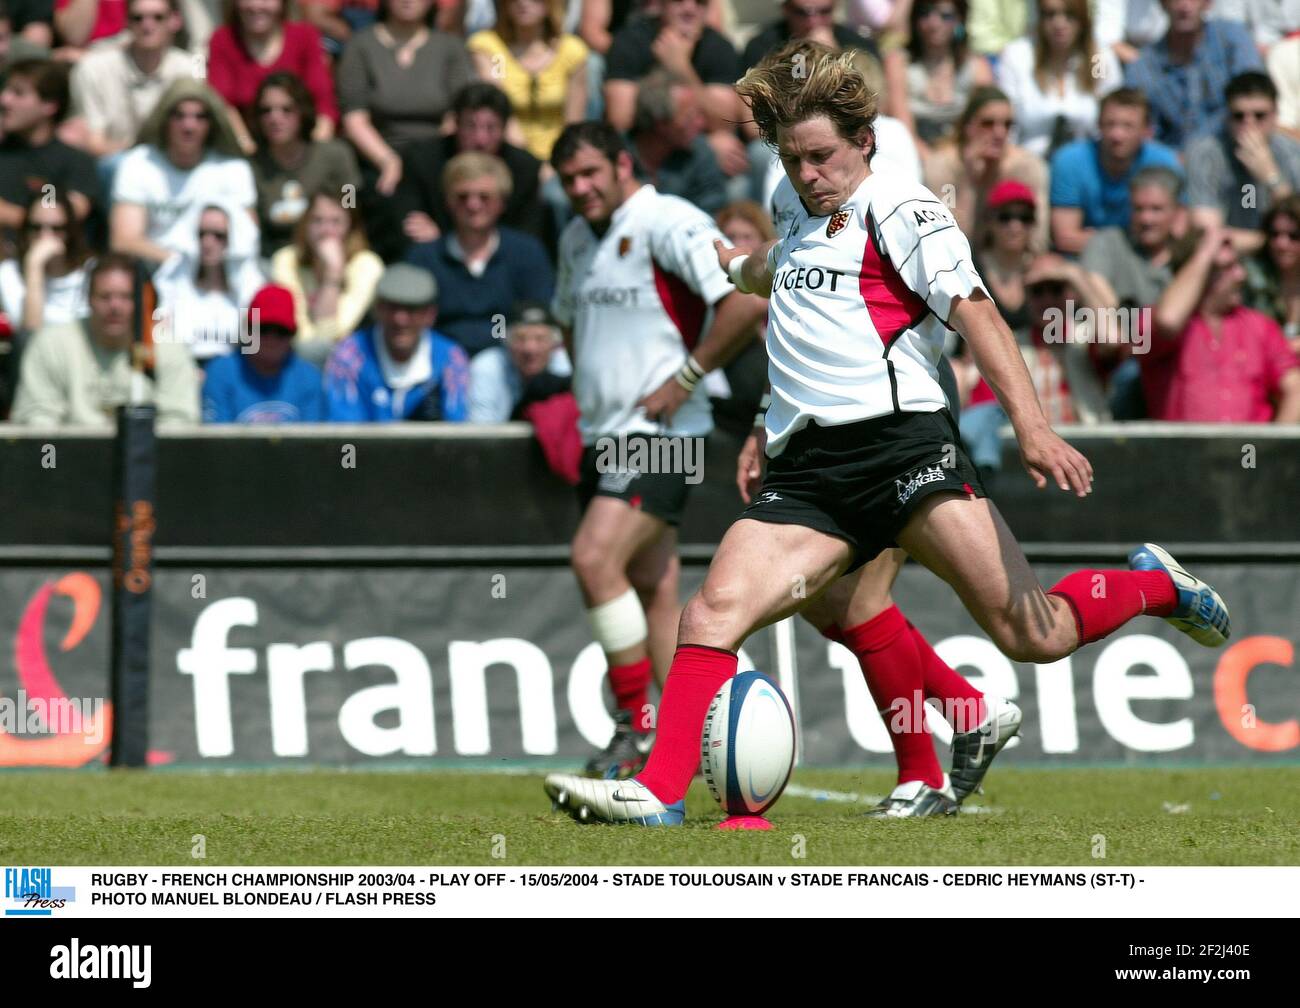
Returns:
(31, 892)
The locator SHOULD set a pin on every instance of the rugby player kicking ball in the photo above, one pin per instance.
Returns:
(870, 272)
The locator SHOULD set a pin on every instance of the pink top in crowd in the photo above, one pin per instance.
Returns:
(1232, 378)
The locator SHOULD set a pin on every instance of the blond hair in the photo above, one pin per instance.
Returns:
(751, 213)
(471, 165)
(804, 79)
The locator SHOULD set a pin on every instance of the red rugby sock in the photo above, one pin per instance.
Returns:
(630, 683)
(894, 673)
(1104, 600)
(697, 673)
(963, 704)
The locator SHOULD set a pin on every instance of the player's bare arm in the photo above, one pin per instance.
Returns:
(1044, 454)
(755, 270)
(749, 464)
(733, 319)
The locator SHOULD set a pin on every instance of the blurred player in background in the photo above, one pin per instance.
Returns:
(863, 453)
(638, 276)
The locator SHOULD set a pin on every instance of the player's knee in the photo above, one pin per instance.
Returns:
(1024, 653)
(1026, 644)
(589, 559)
(720, 598)
(709, 615)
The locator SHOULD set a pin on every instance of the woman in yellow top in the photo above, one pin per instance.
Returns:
(331, 273)
(542, 70)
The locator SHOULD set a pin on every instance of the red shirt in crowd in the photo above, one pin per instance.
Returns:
(110, 18)
(236, 76)
(1232, 378)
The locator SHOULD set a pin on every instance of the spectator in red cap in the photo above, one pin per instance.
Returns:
(1002, 253)
(1213, 360)
(1005, 247)
(266, 382)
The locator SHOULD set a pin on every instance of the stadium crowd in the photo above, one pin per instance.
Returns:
(371, 179)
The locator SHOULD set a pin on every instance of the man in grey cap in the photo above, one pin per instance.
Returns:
(401, 368)
(532, 365)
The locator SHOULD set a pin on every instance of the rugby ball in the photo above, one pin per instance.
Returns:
(747, 750)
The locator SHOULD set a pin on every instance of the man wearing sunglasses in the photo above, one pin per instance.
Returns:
(1233, 177)
(115, 86)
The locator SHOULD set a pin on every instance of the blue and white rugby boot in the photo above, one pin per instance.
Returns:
(612, 801)
(1200, 611)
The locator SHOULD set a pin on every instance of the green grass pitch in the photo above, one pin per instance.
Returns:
(1238, 816)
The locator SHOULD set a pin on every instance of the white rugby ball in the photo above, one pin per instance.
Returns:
(747, 750)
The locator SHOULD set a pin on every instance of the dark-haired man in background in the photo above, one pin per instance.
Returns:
(481, 112)
(1233, 176)
(637, 278)
(32, 104)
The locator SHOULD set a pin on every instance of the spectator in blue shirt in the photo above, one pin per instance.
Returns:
(482, 269)
(1186, 73)
(1090, 178)
(400, 368)
(269, 384)
(531, 366)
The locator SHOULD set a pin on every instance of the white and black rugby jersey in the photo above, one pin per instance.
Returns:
(860, 304)
(637, 299)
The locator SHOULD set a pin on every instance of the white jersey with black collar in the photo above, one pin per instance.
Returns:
(637, 299)
(860, 305)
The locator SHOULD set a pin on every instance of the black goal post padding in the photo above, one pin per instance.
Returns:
(135, 461)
